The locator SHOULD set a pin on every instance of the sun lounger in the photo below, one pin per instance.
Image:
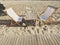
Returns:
(47, 13)
(14, 16)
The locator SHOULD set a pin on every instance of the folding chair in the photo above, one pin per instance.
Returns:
(49, 11)
(14, 16)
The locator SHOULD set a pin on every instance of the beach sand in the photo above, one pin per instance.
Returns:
(31, 35)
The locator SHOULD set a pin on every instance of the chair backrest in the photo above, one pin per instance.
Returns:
(47, 13)
(13, 15)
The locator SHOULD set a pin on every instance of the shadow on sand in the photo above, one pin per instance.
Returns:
(8, 23)
(28, 23)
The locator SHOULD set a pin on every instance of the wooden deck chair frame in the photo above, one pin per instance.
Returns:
(16, 22)
(49, 16)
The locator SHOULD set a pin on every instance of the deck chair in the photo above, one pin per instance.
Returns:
(14, 16)
(49, 11)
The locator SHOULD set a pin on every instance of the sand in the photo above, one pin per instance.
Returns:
(31, 35)
(29, 0)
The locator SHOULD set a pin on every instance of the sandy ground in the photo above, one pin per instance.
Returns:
(30, 35)
(29, 0)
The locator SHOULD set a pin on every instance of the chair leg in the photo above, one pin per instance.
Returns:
(24, 23)
(12, 22)
(41, 23)
(50, 21)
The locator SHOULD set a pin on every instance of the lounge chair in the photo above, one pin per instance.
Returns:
(14, 16)
(47, 13)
